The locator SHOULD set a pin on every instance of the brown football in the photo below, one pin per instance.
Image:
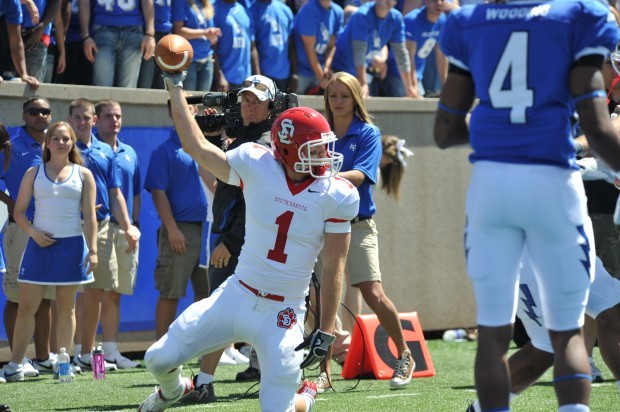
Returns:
(173, 53)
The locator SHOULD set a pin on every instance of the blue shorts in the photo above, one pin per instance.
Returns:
(59, 264)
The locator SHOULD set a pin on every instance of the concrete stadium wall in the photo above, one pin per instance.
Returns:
(421, 248)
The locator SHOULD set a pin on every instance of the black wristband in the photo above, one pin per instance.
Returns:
(149, 35)
(86, 38)
(137, 224)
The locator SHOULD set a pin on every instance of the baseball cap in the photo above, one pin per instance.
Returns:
(263, 87)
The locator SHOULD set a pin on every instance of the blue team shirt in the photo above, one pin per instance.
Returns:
(535, 46)
(315, 20)
(273, 24)
(12, 10)
(26, 153)
(234, 46)
(27, 23)
(175, 172)
(117, 13)
(361, 148)
(99, 159)
(364, 25)
(128, 169)
(73, 32)
(420, 29)
(193, 18)
(163, 16)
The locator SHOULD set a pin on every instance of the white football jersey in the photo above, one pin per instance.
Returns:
(285, 222)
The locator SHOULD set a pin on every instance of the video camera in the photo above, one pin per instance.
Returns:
(230, 118)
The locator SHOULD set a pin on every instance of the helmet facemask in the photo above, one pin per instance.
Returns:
(319, 158)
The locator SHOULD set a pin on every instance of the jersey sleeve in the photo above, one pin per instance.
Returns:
(398, 34)
(243, 160)
(306, 22)
(450, 41)
(346, 209)
(598, 31)
(359, 27)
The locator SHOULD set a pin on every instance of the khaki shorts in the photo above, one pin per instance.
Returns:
(15, 240)
(363, 258)
(173, 271)
(127, 262)
(106, 272)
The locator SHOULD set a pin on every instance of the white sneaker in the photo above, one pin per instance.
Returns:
(122, 362)
(2, 380)
(12, 373)
(403, 371)
(29, 370)
(46, 366)
(237, 356)
(226, 360)
(156, 402)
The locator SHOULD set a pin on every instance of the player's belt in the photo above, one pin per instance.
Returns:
(260, 294)
(360, 219)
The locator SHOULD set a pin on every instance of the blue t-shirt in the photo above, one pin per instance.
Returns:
(26, 152)
(163, 17)
(315, 21)
(521, 74)
(27, 23)
(99, 159)
(273, 24)
(117, 13)
(193, 18)
(12, 10)
(364, 25)
(128, 170)
(361, 148)
(73, 32)
(424, 33)
(175, 172)
(235, 44)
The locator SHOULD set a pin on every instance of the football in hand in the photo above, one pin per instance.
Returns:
(173, 53)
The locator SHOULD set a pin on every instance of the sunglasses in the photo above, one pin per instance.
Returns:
(33, 111)
(258, 86)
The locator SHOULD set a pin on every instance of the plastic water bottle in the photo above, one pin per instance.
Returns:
(455, 335)
(98, 363)
(64, 366)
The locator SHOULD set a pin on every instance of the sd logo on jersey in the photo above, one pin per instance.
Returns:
(287, 318)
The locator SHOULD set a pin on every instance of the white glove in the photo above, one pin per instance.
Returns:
(319, 343)
(173, 79)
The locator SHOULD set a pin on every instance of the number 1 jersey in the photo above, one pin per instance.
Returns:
(285, 223)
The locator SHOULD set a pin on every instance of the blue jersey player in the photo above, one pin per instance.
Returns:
(531, 64)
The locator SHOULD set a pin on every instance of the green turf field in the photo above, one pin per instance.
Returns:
(449, 390)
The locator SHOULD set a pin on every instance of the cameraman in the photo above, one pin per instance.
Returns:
(257, 96)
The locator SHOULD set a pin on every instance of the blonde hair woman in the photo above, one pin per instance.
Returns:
(57, 253)
(359, 141)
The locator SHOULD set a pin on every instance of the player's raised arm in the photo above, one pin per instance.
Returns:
(588, 90)
(208, 156)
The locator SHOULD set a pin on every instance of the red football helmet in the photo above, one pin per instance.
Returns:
(302, 139)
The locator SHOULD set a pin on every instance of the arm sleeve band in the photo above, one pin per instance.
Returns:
(452, 68)
(402, 57)
(452, 111)
(595, 60)
(359, 53)
(593, 95)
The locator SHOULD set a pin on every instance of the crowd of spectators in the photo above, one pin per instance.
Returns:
(297, 43)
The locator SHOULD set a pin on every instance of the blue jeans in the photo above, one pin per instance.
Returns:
(199, 76)
(36, 61)
(118, 61)
(305, 82)
(150, 77)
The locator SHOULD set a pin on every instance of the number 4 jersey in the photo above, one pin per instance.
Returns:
(520, 56)
(285, 223)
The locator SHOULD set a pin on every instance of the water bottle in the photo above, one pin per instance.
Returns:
(98, 363)
(455, 335)
(64, 366)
